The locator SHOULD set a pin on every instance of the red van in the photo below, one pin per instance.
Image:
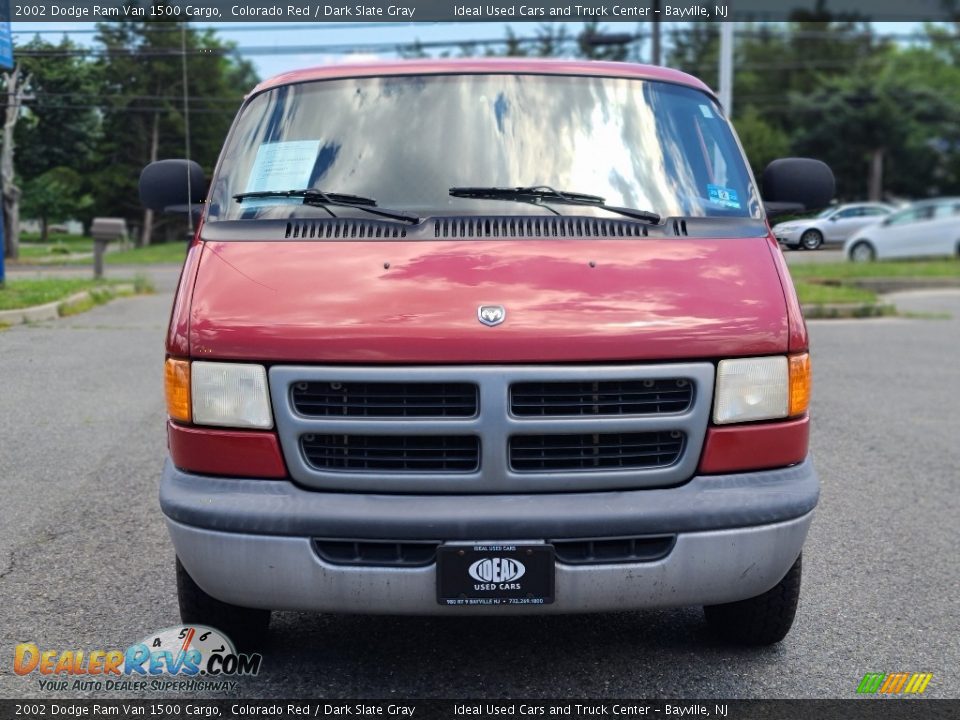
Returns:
(484, 336)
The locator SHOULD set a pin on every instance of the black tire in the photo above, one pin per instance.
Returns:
(761, 620)
(247, 627)
(863, 252)
(811, 239)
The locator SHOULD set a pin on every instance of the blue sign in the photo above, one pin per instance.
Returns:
(6, 41)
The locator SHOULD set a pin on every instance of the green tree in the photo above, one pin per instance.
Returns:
(881, 132)
(60, 124)
(54, 196)
(762, 140)
(142, 86)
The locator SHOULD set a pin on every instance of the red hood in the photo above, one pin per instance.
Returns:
(590, 300)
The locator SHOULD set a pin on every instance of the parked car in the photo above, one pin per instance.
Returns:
(929, 228)
(481, 336)
(831, 226)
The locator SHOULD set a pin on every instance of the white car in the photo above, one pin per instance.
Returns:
(928, 228)
(833, 225)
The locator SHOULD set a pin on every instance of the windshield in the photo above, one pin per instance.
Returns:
(406, 140)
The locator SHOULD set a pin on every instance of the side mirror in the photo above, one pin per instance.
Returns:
(172, 185)
(797, 185)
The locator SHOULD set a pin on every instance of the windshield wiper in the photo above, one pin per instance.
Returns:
(542, 194)
(321, 199)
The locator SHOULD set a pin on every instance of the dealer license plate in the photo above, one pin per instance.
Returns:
(495, 574)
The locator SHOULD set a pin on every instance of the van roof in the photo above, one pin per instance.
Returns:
(535, 66)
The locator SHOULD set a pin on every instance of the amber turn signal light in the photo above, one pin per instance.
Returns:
(176, 386)
(800, 381)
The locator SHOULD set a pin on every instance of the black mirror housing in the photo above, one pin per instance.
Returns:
(797, 184)
(172, 185)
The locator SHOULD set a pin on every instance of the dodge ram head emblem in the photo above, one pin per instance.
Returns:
(491, 314)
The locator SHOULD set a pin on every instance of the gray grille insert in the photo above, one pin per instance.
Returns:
(619, 451)
(384, 400)
(612, 397)
(365, 453)
(398, 453)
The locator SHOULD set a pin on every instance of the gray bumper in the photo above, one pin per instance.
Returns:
(248, 542)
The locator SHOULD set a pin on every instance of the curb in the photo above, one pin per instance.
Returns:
(52, 310)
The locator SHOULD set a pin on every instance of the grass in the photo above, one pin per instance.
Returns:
(171, 252)
(61, 247)
(82, 243)
(27, 293)
(814, 294)
(948, 267)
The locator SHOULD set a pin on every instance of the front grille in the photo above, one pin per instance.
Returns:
(376, 552)
(611, 397)
(491, 429)
(614, 550)
(384, 400)
(392, 453)
(618, 451)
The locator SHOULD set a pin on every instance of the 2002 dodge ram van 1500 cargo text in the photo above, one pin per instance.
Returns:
(478, 336)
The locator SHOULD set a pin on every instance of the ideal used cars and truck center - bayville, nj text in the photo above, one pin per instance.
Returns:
(367, 12)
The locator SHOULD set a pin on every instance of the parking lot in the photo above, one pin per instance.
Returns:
(85, 561)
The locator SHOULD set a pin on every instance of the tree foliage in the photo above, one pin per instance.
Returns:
(142, 80)
(105, 117)
(53, 196)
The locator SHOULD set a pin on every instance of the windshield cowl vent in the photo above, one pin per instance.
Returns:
(343, 229)
(535, 227)
(680, 228)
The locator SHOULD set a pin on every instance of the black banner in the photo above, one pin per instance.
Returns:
(858, 709)
(607, 11)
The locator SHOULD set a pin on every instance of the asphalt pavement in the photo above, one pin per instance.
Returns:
(85, 562)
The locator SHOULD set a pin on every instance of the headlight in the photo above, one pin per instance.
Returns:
(230, 395)
(765, 388)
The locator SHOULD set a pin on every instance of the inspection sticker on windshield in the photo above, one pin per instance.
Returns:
(727, 197)
(283, 165)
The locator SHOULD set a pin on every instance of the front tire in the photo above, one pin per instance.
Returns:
(245, 626)
(811, 240)
(863, 252)
(761, 620)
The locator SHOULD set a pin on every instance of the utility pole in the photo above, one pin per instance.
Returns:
(655, 58)
(726, 67)
(15, 88)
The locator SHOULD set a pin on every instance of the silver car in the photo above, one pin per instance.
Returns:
(833, 225)
(929, 228)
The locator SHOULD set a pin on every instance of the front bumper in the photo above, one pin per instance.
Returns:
(249, 542)
(788, 237)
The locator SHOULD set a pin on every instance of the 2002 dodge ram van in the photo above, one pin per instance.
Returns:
(482, 336)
